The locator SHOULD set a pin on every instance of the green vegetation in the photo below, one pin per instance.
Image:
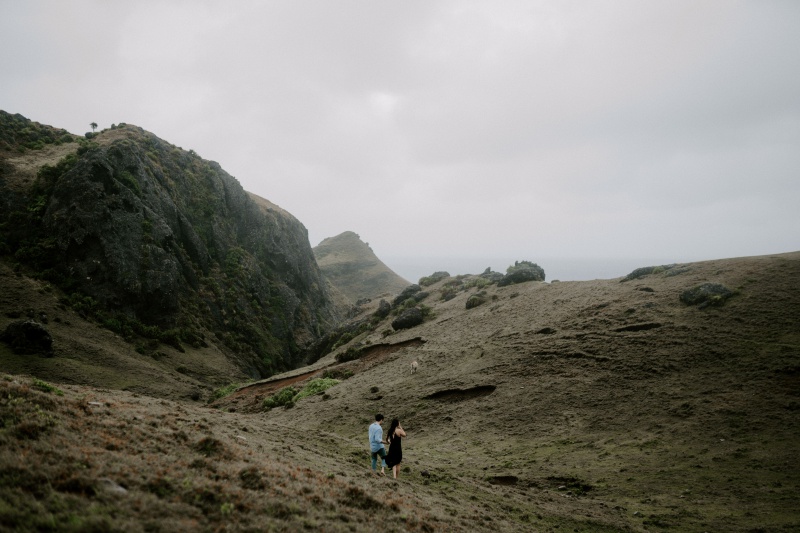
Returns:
(433, 278)
(130, 182)
(46, 387)
(223, 391)
(315, 386)
(20, 134)
(282, 398)
(338, 373)
(476, 299)
(351, 354)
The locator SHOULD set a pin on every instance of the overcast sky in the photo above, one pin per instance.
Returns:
(454, 135)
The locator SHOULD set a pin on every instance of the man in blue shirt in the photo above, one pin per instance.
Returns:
(376, 443)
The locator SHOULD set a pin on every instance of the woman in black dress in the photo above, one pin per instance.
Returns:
(395, 455)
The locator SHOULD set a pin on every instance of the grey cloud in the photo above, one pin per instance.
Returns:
(560, 129)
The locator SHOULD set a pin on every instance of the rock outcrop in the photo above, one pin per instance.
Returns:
(154, 241)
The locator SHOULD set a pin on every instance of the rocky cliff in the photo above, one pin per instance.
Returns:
(159, 245)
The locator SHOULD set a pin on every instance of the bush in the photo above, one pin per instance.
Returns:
(433, 278)
(520, 272)
(223, 391)
(288, 396)
(46, 387)
(315, 386)
(406, 294)
(338, 373)
(351, 354)
(384, 308)
(282, 398)
(448, 293)
(408, 318)
(476, 299)
(478, 283)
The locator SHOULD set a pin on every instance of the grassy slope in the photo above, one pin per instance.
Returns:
(688, 424)
(354, 269)
(89, 355)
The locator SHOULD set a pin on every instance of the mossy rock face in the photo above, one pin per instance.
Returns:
(156, 242)
(408, 319)
(706, 294)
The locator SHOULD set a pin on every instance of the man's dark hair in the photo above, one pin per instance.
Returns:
(378, 417)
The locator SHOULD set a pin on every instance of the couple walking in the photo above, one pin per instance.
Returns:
(393, 439)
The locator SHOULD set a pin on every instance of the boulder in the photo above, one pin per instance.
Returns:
(28, 337)
(706, 294)
(408, 319)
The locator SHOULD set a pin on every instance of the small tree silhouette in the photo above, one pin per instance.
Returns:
(94, 126)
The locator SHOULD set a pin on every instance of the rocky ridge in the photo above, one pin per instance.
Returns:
(158, 245)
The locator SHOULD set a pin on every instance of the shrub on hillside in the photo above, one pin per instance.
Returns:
(351, 354)
(315, 386)
(451, 287)
(384, 308)
(448, 293)
(288, 396)
(223, 391)
(433, 278)
(476, 299)
(408, 319)
(406, 294)
(520, 272)
(282, 398)
(491, 276)
(338, 373)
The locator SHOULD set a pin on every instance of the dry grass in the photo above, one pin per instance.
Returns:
(113, 461)
(582, 406)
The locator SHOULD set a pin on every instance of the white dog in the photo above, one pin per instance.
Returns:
(414, 366)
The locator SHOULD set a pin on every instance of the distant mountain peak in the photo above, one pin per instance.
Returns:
(352, 267)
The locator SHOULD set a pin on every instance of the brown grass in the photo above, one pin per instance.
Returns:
(575, 406)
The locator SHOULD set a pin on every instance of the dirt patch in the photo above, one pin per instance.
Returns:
(503, 480)
(638, 327)
(460, 395)
(249, 398)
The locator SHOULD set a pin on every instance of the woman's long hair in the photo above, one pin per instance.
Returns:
(395, 423)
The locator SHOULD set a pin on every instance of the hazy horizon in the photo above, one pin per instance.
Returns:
(560, 269)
